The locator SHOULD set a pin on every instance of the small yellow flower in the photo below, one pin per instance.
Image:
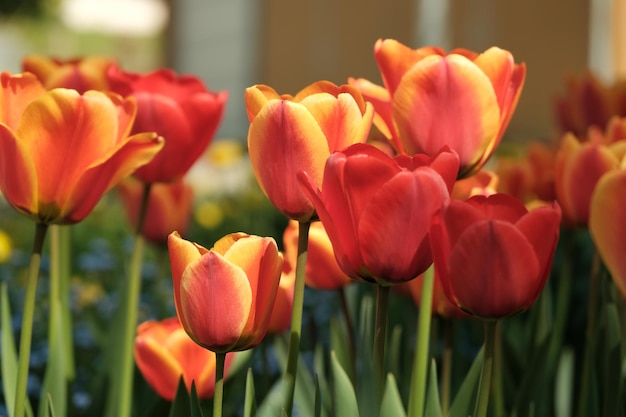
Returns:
(6, 247)
(209, 214)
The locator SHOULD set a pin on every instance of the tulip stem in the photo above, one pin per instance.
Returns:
(133, 289)
(218, 396)
(380, 334)
(296, 317)
(420, 362)
(484, 386)
(27, 319)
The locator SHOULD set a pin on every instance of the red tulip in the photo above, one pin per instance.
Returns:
(164, 353)
(377, 210)
(61, 151)
(224, 296)
(80, 74)
(180, 109)
(463, 100)
(299, 133)
(322, 270)
(169, 207)
(441, 305)
(492, 255)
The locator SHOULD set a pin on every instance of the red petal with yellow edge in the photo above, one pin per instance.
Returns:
(18, 176)
(216, 300)
(493, 270)
(99, 179)
(607, 224)
(17, 92)
(396, 222)
(295, 141)
(181, 254)
(256, 97)
(340, 119)
(447, 101)
(394, 59)
(499, 66)
(158, 366)
(263, 264)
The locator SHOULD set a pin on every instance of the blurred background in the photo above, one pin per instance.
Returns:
(233, 44)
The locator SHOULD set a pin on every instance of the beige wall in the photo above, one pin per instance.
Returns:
(304, 41)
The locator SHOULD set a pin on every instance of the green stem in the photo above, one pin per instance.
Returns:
(27, 319)
(133, 289)
(420, 363)
(498, 377)
(296, 318)
(484, 386)
(592, 307)
(218, 396)
(380, 334)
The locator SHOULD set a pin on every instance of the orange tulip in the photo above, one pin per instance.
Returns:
(492, 255)
(224, 296)
(299, 133)
(180, 109)
(280, 319)
(169, 207)
(578, 167)
(61, 151)
(607, 224)
(80, 74)
(441, 305)
(481, 183)
(164, 353)
(322, 270)
(464, 100)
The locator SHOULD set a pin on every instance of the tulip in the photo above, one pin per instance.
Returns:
(322, 270)
(224, 296)
(464, 100)
(180, 109)
(280, 319)
(441, 305)
(164, 352)
(81, 74)
(481, 183)
(492, 255)
(169, 208)
(61, 151)
(377, 210)
(607, 224)
(578, 167)
(586, 102)
(300, 133)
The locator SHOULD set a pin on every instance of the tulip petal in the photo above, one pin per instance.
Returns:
(607, 224)
(198, 362)
(255, 98)
(158, 366)
(182, 253)
(16, 93)
(493, 269)
(446, 101)
(21, 189)
(290, 134)
(390, 232)
(499, 206)
(216, 299)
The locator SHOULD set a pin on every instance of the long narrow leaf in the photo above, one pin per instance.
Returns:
(55, 380)
(433, 403)
(463, 403)
(249, 405)
(391, 405)
(344, 400)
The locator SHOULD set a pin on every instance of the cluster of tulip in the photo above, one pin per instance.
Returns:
(416, 212)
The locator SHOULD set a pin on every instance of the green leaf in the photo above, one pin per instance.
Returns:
(50, 408)
(194, 402)
(55, 381)
(463, 403)
(391, 405)
(433, 404)
(273, 402)
(344, 397)
(240, 361)
(9, 355)
(340, 343)
(564, 388)
(181, 406)
(249, 405)
(318, 401)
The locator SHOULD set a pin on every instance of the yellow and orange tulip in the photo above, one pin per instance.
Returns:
(169, 207)
(164, 352)
(299, 133)
(61, 151)
(80, 74)
(464, 100)
(224, 296)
